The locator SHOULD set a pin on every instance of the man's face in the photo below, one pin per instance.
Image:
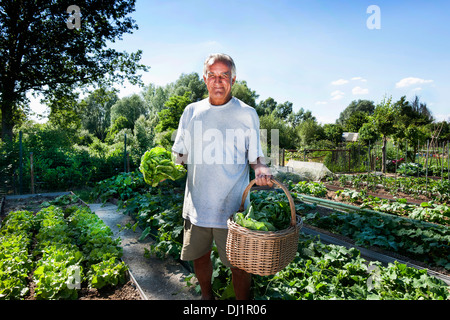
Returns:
(219, 83)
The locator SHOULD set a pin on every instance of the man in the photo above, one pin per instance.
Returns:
(217, 137)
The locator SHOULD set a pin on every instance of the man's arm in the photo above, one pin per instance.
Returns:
(180, 158)
(263, 174)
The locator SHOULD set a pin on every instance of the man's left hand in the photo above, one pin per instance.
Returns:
(263, 175)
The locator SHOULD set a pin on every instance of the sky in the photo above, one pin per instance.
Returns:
(318, 54)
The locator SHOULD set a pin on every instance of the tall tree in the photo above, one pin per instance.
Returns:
(365, 106)
(266, 107)
(241, 91)
(130, 107)
(384, 119)
(40, 51)
(189, 83)
(96, 111)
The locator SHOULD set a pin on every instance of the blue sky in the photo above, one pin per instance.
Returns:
(320, 55)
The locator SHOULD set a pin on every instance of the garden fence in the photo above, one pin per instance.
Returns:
(23, 171)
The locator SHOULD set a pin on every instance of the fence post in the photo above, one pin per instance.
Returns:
(125, 154)
(442, 162)
(20, 162)
(128, 162)
(32, 172)
(426, 169)
(448, 162)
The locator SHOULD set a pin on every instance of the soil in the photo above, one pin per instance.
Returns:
(380, 193)
(126, 291)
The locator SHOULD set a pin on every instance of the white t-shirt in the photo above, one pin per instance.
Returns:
(220, 142)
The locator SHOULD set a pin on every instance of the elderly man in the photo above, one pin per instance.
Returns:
(218, 139)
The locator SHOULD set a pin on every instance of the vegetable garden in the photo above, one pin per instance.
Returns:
(59, 252)
(413, 228)
(320, 271)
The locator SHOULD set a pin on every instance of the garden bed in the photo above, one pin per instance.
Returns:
(326, 212)
(123, 290)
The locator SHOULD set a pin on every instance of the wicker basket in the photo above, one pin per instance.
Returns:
(263, 252)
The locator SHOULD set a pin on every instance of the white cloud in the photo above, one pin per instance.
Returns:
(321, 102)
(406, 82)
(339, 82)
(336, 95)
(359, 90)
(359, 78)
(442, 117)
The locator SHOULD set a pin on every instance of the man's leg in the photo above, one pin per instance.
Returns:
(203, 271)
(241, 283)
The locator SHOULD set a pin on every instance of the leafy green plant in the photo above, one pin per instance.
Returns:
(423, 242)
(157, 165)
(316, 189)
(265, 216)
(110, 272)
(66, 247)
(15, 258)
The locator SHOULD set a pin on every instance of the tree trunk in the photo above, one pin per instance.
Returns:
(7, 119)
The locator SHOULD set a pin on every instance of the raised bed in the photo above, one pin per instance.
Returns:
(127, 289)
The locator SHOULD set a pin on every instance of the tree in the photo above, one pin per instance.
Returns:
(155, 97)
(169, 119)
(368, 133)
(333, 132)
(384, 120)
(130, 107)
(241, 91)
(189, 83)
(283, 110)
(287, 136)
(309, 132)
(356, 121)
(365, 106)
(266, 106)
(295, 118)
(96, 111)
(39, 53)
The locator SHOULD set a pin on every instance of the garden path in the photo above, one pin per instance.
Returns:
(158, 279)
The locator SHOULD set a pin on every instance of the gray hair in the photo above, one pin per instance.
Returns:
(222, 57)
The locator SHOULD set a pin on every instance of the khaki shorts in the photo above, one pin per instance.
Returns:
(197, 241)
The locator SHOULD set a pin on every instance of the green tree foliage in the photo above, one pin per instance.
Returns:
(365, 106)
(333, 132)
(288, 138)
(384, 120)
(241, 91)
(283, 110)
(130, 107)
(96, 111)
(169, 117)
(38, 52)
(356, 120)
(295, 118)
(367, 133)
(65, 111)
(309, 132)
(266, 107)
(191, 83)
(155, 97)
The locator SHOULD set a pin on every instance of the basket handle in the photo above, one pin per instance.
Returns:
(283, 187)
